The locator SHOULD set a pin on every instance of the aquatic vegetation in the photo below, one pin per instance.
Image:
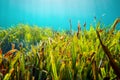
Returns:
(35, 53)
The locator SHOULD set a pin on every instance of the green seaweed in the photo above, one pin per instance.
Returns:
(35, 53)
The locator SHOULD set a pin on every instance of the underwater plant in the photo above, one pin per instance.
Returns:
(35, 53)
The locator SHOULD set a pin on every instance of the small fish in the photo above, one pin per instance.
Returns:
(103, 14)
(95, 17)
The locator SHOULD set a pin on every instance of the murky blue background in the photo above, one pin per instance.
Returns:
(56, 13)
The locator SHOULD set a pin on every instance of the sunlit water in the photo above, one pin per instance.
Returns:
(56, 13)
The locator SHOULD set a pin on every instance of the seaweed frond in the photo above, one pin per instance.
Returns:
(107, 52)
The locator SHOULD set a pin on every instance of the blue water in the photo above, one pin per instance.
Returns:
(56, 13)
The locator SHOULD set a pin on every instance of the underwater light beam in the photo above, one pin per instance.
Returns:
(57, 12)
